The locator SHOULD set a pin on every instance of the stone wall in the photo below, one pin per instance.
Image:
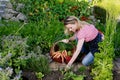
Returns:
(7, 12)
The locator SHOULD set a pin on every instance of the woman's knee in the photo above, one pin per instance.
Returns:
(88, 59)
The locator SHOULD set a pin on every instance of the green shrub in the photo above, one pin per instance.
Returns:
(42, 33)
(117, 40)
(37, 10)
(13, 53)
(9, 27)
(103, 63)
(69, 75)
(37, 63)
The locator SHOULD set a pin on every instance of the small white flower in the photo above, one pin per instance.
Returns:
(98, 20)
(9, 70)
(0, 69)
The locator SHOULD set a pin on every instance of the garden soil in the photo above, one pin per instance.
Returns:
(56, 74)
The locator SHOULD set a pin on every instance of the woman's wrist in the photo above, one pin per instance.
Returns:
(68, 66)
(69, 40)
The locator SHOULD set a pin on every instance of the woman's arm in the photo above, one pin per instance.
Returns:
(76, 53)
(72, 38)
(68, 40)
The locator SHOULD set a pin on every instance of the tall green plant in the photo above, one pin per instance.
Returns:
(37, 63)
(113, 9)
(103, 63)
(117, 40)
(103, 60)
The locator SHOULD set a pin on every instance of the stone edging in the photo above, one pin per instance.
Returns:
(8, 13)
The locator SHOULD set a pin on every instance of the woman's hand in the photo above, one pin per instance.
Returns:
(65, 40)
(103, 37)
(67, 67)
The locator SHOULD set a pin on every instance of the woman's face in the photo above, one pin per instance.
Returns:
(71, 27)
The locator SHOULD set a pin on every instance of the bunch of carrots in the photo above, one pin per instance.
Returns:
(63, 55)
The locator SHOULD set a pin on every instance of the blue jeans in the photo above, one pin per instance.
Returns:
(88, 59)
(92, 49)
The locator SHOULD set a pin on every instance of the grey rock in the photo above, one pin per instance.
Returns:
(9, 5)
(1, 12)
(48, 57)
(11, 11)
(2, 6)
(14, 19)
(7, 16)
(21, 17)
(20, 6)
(4, 0)
(54, 66)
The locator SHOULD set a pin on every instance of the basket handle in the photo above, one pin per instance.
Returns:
(59, 41)
(52, 48)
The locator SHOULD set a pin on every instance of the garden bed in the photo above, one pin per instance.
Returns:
(56, 71)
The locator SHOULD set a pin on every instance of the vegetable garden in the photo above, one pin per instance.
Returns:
(25, 46)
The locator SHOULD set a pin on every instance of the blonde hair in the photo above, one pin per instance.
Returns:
(73, 20)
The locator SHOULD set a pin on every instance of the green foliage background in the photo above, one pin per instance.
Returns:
(45, 27)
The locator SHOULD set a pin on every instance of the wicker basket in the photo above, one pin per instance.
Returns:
(55, 48)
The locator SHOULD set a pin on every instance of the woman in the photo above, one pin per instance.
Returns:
(84, 33)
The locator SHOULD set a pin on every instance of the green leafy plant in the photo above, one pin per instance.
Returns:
(103, 63)
(69, 75)
(39, 75)
(46, 9)
(42, 33)
(82, 69)
(13, 53)
(7, 74)
(14, 45)
(5, 59)
(10, 55)
(103, 60)
(9, 27)
(37, 63)
(63, 46)
(50, 34)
